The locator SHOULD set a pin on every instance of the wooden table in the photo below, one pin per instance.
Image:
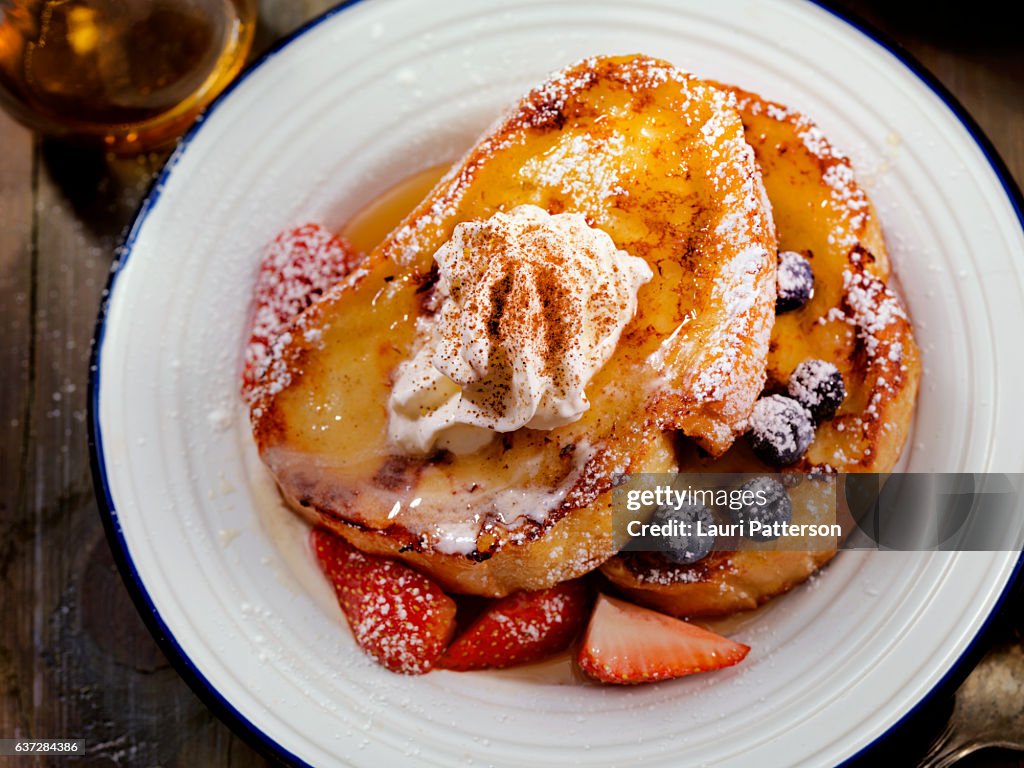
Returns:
(75, 659)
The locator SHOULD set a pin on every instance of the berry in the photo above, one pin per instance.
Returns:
(781, 430)
(397, 615)
(297, 268)
(795, 282)
(791, 479)
(521, 628)
(776, 507)
(625, 643)
(818, 386)
(690, 547)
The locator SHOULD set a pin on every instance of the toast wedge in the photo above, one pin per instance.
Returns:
(854, 321)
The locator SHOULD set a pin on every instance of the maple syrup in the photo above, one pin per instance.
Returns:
(368, 228)
(128, 74)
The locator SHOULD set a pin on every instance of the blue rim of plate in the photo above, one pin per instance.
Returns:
(195, 679)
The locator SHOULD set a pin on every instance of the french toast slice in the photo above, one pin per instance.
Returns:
(657, 160)
(854, 321)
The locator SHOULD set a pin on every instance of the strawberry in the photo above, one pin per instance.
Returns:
(625, 643)
(397, 615)
(521, 628)
(297, 268)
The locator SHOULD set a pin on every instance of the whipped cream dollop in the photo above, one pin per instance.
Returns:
(529, 306)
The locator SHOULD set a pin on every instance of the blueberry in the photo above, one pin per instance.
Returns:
(818, 386)
(685, 549)
(781, 430)
(795, 282)
(791, 479)
(771, 504)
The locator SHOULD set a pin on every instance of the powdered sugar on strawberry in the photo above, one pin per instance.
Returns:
(299, 266)
(397, 615)
(522, 628)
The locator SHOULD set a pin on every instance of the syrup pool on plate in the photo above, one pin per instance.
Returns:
(368, 228)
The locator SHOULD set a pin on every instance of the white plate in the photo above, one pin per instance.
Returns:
(381, 89)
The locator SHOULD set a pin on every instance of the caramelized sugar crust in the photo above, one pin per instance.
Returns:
(854, 320)
(655, 158)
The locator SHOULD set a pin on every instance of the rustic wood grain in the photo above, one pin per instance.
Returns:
(16, 362)
(75, 658)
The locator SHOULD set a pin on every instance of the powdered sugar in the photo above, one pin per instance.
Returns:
(782, 425)
(818, 386)
(743, 228)
(849, 201)
(579, 167)
(397, 615)
(848, 196)
(665, 573)
(300, 265)
(871, 308)
(809, 378)
(795, 281)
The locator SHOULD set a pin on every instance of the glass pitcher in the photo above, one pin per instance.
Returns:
(130, 75)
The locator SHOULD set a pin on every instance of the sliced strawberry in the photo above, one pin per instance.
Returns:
(625, 643)
(521, 628)
(397, 615)
(298, 267)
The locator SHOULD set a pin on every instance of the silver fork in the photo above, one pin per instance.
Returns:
(988, 710)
